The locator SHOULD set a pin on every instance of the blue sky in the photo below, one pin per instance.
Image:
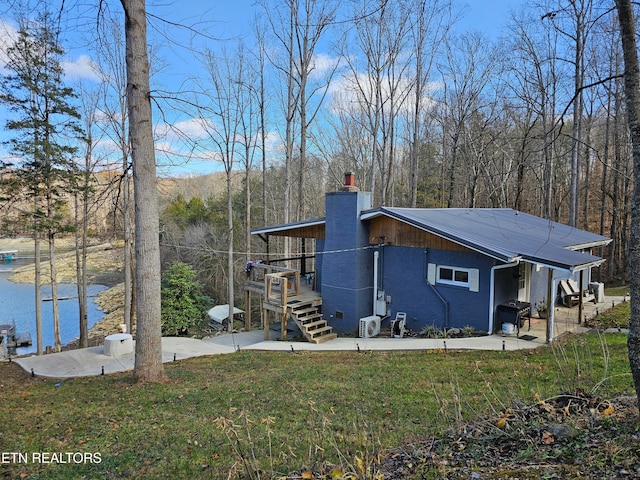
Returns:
(223, 20)
(487, 16)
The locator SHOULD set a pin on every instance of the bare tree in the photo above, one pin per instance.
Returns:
(222, 113)
(83, 202)
(148, 358)
(298, 28)
(466, 75)
(573, 22)
(379, 84)
(429, 26)
(283, 24)
(251, 105)
(261, 59)
(535, 85)
(110, 52)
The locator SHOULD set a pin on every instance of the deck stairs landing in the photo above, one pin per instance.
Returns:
(310, 321)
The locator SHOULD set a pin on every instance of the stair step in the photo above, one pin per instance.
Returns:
(303, 311)
(311, 323)
(325, 338)
(319, 331)
(311, 326)
(300, 305)
(310, 318)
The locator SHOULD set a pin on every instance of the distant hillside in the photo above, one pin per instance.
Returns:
(105, 212)
(203, 186)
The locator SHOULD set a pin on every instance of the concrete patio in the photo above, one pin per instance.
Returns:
(568, 320)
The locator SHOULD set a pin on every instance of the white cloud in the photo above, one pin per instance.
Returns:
(353, 92)
(8, 35)
(193, 128)
(323, 64)
(80, 68)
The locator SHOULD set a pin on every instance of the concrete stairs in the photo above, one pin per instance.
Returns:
(310, 321)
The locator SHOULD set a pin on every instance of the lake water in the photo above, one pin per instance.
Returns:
(17, 304)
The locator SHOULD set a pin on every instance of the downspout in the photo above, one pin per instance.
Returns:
(435, 290)
(554, 276)
(376, 254)
(492, 290)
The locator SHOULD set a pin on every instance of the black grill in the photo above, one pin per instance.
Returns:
(514, 312)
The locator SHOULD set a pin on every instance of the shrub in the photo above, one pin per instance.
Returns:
(183, 303)
(431, 331)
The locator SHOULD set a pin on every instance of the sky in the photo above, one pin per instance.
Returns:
(218, 23)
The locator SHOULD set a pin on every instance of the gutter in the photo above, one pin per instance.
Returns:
(376, 256)
(582, 246)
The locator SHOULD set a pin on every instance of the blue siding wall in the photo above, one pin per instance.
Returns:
(347, 290)
(403, 274)
(319, 258)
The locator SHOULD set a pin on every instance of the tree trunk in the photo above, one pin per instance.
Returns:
(38, 292)
(612, 254)
(632, 90)
(128, 248)
(54, 293)
(81, 268)
(230, 286)
(148, 357)
(452, 168)
(605, 171)
(576, 144)
(586, 187)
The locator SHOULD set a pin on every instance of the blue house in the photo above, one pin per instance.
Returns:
(446, 268)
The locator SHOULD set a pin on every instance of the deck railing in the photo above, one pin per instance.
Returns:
(275, 283)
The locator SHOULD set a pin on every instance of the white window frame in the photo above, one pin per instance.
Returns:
(473, 278)
(454, 282)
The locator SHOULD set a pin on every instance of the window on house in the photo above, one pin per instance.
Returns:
(453, 276)
(522, 276)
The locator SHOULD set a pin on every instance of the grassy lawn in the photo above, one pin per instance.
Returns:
(224, 416)
(616, 317)
(618, 291)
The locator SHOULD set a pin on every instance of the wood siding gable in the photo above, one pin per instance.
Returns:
(390, 231)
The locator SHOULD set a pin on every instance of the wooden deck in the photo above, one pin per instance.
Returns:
(283, 296)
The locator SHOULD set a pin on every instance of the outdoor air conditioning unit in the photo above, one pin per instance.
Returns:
(369, 326)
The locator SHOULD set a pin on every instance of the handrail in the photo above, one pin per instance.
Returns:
(278, 286)
(278, 283)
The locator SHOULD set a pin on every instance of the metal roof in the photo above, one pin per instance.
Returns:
(504, 233)
(501, 233)
(275, 229)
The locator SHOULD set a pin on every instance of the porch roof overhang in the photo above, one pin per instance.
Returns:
(313, 228)
(504, 234)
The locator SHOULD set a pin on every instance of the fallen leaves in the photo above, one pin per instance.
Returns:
(608, 408)
(578, 425)
(547, 438)
(505, 415)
